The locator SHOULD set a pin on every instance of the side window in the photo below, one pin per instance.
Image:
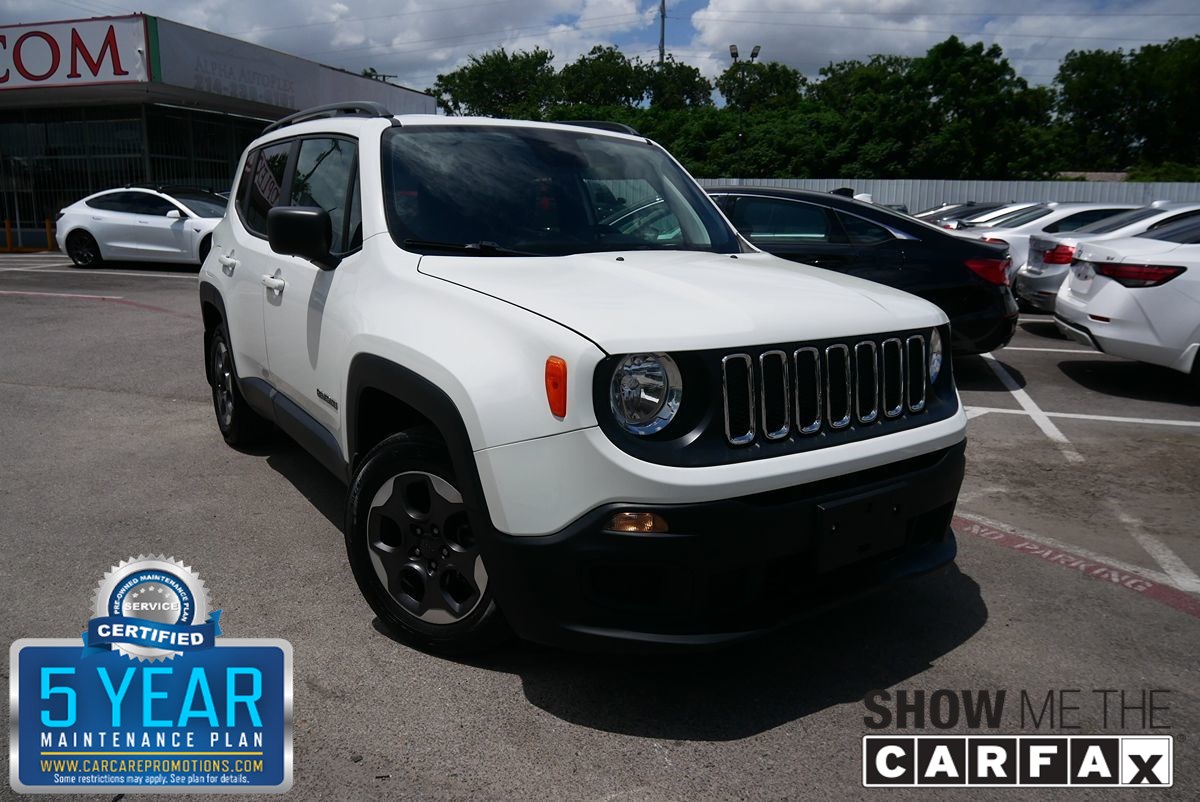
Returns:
(145, 203)
(266, 185)
(1074, 221)
(862, 231)
(773, 221)
(325, 177)
(243, 187)
(111, 202)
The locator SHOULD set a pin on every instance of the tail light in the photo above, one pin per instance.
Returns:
(1059, 255)
(1139, 275)
(993, 271)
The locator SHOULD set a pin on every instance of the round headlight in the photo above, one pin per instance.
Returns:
(645, 392)
(935, 356)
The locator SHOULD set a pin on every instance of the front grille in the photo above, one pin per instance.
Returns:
(815, 389)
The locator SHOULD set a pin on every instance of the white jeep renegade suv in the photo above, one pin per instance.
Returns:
(569, 401)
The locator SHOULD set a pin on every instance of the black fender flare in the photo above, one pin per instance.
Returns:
(209, 294)
(370, 372)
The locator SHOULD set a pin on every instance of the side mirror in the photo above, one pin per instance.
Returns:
(303, 231)
(174, 214)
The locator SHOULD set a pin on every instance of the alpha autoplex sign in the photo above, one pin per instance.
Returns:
(94, 51)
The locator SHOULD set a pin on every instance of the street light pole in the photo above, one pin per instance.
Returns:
(741, 79)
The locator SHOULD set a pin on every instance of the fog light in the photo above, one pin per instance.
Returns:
(641, 522)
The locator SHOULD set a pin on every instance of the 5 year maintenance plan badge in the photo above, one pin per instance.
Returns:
(151, 698)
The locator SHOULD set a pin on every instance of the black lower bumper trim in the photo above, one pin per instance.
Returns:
(728, 570)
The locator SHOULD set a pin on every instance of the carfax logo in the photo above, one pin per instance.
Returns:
(993, 759)
(151, 698)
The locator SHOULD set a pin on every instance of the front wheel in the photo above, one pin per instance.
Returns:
(239, 424)
(413, 552)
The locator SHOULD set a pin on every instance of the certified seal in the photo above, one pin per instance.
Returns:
(151, 608)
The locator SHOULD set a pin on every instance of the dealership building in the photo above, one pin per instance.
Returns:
(90, 104)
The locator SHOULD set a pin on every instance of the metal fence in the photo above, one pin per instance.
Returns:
(918, 195)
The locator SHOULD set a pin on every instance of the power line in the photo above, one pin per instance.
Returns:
(431, 10)
(1058, 36)
(489, 35)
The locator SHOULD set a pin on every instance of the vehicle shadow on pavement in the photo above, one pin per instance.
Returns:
(975, 374)
(1132, 380)
(835, 658)
(319, 486)
(1042, 328)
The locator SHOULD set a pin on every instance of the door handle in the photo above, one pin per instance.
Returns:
(228, 263)
(273, 284)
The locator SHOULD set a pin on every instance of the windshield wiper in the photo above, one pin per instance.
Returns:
(481, 248)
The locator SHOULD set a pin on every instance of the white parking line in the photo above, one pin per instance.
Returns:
(78, 272)
(1183, 577)
(1035, 412)
(1035, 320)
(975, 412)
(1055, 350)
(64, 295)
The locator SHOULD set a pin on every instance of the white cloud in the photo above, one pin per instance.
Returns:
(416, 39)
(808, 34)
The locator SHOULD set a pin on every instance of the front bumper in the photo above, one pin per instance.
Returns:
(728, 570)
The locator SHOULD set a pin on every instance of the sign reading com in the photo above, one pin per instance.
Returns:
(151, 698)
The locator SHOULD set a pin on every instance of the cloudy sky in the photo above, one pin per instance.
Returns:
(416, 39)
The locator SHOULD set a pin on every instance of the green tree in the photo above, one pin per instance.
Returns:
(520, 85)
(749, 85)
(1163, 113)
(983, 115)
(675, 85)
(604, 77)
(1094, 96)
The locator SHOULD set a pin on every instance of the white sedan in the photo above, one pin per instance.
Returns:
(1042, 218)
(140, 224)
(1138, 298)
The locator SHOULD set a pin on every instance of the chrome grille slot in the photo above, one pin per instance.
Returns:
(737, 388)
(866, 381)
(915, 376)
(775, 394)
(837, 385)
(808, 390)
(892, 377)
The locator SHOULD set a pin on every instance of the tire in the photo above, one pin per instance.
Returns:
(205, 247)
(239, 424)
(412, 552)
(83, 250)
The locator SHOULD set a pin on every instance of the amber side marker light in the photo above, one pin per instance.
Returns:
(556, 385)
(637, 522)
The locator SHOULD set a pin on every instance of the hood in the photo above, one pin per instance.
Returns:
(681, 300)
(1128, 248)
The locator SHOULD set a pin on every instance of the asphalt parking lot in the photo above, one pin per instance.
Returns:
(1077, 570)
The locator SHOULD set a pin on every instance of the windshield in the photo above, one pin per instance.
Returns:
(202, 204)
(541, 192)
(1017, 218)
(1108, 225)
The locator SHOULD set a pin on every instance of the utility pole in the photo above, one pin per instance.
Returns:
(662, 32)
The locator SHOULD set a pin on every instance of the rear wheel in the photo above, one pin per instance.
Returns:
(239, 424)
(413, 552)
(83, 250)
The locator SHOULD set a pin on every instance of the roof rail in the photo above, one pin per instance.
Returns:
(167, 189)
(603, 125)
(349, 108)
